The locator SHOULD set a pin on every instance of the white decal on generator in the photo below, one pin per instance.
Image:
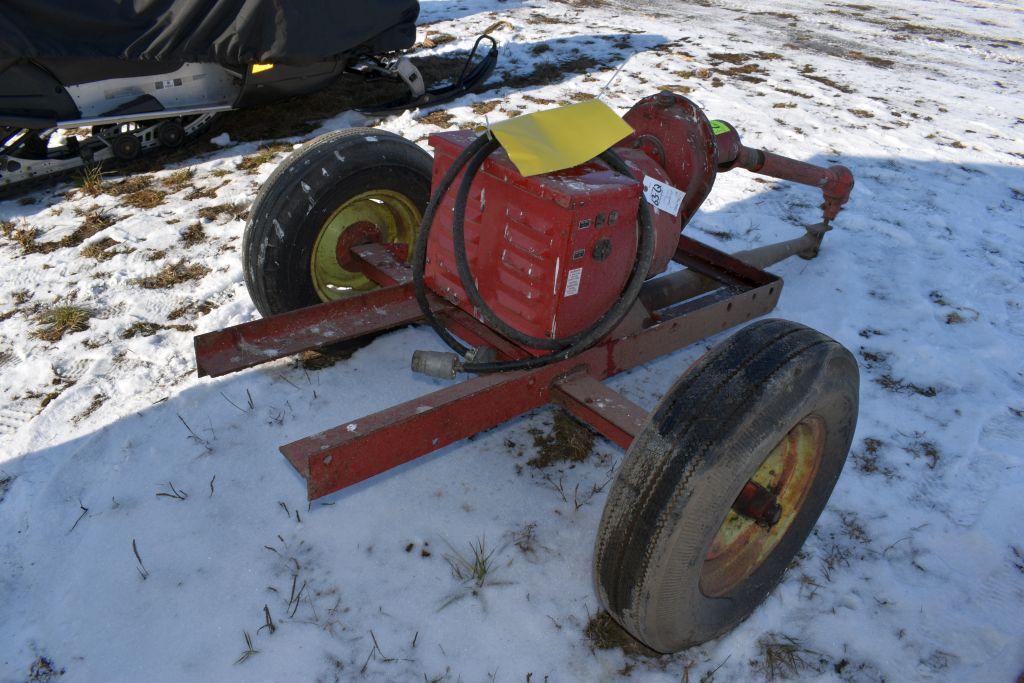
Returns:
(572, 282)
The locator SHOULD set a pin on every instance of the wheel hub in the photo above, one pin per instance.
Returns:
(765, 508)
(361, 232)
(375, 216)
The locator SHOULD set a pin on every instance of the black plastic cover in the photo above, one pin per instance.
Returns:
(229, 32)
(31, 98)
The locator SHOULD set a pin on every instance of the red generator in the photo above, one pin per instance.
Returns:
(551, 253)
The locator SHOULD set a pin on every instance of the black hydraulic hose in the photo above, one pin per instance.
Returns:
(419, 252)
(466, 275)
(472, 158)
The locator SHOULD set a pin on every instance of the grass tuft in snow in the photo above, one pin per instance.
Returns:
(90, 180)
(136, 191)
(474, 571)
(170, 275)
(249, 649)
(233, 210)
(5, 484)
(97, 400)
(193, 235)
(783, 657)
(43, 670)
(145, 199)
(604, 633)
(95, 220)
(143, 572)
(568, 441)
(178, 180)
(56, 321)
(175, 493)
(477, 568)
(263, 155)
(128, 186)
(100, 250)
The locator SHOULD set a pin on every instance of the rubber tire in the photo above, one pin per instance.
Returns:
(304, 191)
(680, 476)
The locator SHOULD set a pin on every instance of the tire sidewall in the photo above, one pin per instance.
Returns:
(680, 619)
(708, 435)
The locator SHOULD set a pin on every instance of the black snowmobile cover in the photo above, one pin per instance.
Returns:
(230, 32)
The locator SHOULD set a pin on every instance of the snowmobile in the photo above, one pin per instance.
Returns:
(86, 81)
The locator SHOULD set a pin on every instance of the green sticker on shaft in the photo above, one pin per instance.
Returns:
(719, 127)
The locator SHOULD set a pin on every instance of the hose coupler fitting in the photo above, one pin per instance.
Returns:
(440, 364)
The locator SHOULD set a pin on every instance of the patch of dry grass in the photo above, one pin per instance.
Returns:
(129, 185)
(546, 73)
(100, 250)
(144, 199)
(25, 238)
(90, 180)
(263, 155)
(234, 211)
(191, 307)
(56, 321)
(604, 633)
(97, 400)
(326, 356)
(568, 441)
(95, 221)
(193, 235)
(487, 107)
(172, 274)
(204, 192)
(783, 657)
(435, 39)
(440, 118)
(180, 179)
(301, 115)
(808, 72)
(147, 329)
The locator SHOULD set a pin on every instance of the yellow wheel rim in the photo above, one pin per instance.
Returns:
(390, 216)
(741, 545)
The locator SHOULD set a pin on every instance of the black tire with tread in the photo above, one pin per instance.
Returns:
(304, 191)
(705, 439)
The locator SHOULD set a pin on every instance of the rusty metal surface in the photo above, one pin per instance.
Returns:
(248, 344)
(382, 263)
(610, 413)
(836, 182)
(362, 448)
(765, 508)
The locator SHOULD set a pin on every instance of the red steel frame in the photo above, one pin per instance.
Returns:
(355, 451)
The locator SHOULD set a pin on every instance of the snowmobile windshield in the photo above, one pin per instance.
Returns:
(229, 32)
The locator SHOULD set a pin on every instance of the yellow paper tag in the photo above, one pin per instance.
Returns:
(554, 139)
(260, 68)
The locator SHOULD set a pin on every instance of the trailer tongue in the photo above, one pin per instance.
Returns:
(543, 286)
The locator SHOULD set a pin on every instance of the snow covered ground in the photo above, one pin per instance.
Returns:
(148, 525)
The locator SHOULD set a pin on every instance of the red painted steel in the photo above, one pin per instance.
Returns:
(244, 346)
(362, 448)
(674, 132)
(613, 415)
(550, 253)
